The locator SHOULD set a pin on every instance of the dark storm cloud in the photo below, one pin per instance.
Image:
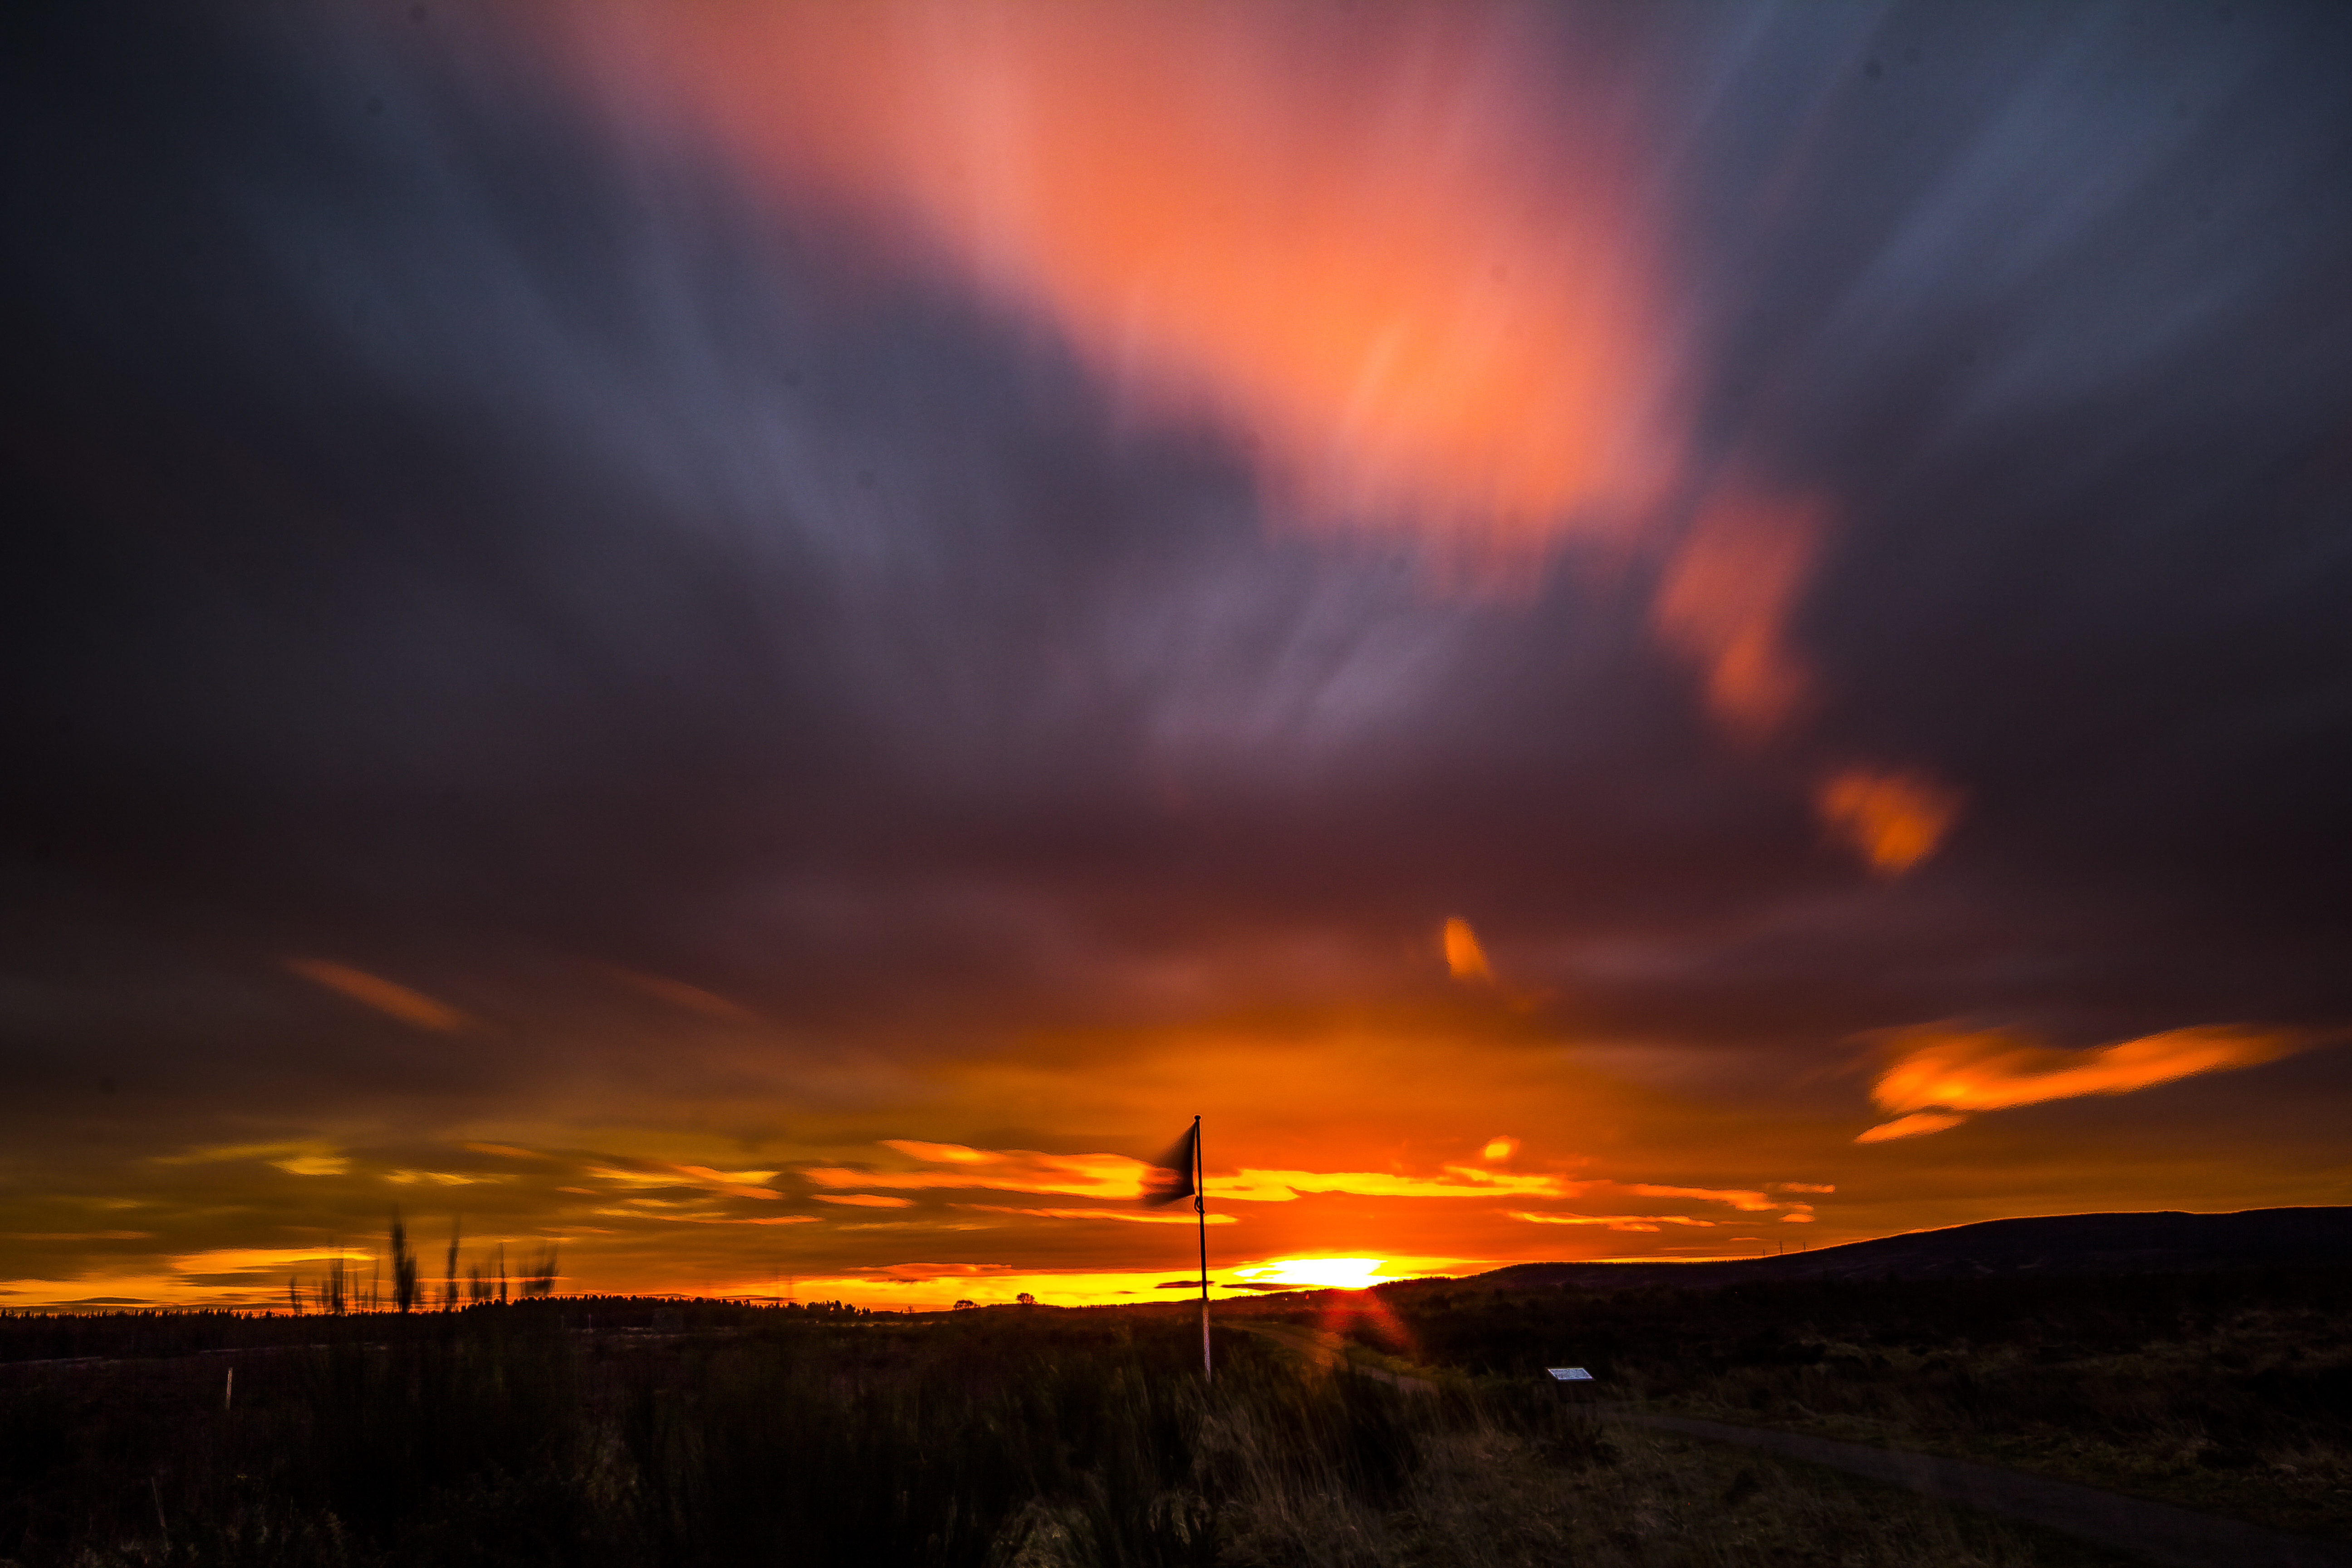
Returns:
(460, 538)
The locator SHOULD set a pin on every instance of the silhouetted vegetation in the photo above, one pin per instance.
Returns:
(613, 1431)
(2230, 1390)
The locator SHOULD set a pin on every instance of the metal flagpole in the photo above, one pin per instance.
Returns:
(1200, 1212)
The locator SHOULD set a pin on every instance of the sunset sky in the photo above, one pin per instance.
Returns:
(768, 641)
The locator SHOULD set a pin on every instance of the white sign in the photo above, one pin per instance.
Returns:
(1569, 1373)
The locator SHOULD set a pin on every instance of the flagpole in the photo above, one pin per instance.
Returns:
(1200, 1212)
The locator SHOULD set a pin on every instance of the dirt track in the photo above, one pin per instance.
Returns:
(2175, 1536)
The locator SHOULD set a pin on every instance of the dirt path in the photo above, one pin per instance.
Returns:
(2176, 1537)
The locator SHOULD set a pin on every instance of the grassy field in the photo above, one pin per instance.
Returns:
(2229, 1393)
(611, 1432)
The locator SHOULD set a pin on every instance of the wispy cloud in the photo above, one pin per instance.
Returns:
(1457, 1181)
(678, 994)
(1635, 1222)
(1009, 1170)
(1463, 957)
(1941, 1074)
(1737, 1197)
(1914, 1125)
(240, 1259)
(387, 996)
(1893, 820)
(1128, 1217)
(734, 1183)
(1727, 599)
(296, 1159)
(641, 1209)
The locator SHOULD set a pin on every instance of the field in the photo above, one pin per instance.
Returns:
(636, 1432)
(2229, 1393)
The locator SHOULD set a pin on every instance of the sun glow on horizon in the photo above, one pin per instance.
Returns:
(1328, 1273)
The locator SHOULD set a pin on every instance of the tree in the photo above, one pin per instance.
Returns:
(1025, 1299)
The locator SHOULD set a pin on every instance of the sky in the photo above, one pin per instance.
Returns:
(765, 644)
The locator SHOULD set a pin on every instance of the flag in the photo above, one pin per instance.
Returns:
(1171, 1176)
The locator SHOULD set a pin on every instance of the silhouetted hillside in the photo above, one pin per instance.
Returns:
(2168, 1242)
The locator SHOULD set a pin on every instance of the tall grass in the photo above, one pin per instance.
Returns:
(2230, 1392)
(1026, 1439)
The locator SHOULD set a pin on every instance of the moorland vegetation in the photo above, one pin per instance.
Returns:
(608, 1431)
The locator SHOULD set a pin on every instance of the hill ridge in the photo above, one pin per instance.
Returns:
(2150, 1241)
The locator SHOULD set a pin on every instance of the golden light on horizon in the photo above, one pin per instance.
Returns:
(1328, 1273)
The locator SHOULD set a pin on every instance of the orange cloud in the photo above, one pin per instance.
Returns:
(651, 1208)
(1727, 598)
(1943, 1072)
(1014, 1170)
(733, 1183)
(1893, 820)
(1459, 1182)
(945, 1153)
(1463, 957)
(239, 1259)
(1131, 1217)
(1737, 1197)
(384, 995)
(865, 1200)
(1117, 1177)
(1415, 272)
(678, 994)
(1911, 1126)
(1628, 1222)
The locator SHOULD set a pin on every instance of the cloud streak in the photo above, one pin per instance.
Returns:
(1331, 226)
(389, 997)
(1938, 1075)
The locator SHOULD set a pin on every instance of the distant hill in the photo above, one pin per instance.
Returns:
(2054, 1244)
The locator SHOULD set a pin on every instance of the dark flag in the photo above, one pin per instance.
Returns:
(1171, 1176)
